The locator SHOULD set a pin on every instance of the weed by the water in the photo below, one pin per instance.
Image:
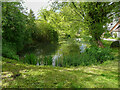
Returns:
(92, 55)
(30, 59)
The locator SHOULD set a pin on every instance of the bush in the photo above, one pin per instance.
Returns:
(92, 55)
(100, 54)
(30, 59)
(9, 50)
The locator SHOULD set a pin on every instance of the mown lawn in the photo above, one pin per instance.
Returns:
(15, 74)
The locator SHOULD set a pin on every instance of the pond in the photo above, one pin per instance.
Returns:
(55, 50)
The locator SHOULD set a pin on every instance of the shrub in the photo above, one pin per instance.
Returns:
(30, 59)
(100, 54)
(92, 55)
(9, 50)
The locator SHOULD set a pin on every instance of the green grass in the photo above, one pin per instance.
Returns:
(106, 43)
(15, 74)
(31, 76)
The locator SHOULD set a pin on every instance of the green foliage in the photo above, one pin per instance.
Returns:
(17, 26)
(30, 28)
(107, 35)
(100, 54)
(58, 21)
(30, 59)
(81, 15)
(47, 60)
(92, 55)
(106, 43)
(68, 51)
(45, 32)
(118, 38)
(92, 42)
(97, 76)
(71, 46)
(115, 35)
(13, 23)
(96, 30)
(9, 50)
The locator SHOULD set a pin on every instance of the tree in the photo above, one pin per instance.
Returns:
(89, 17)
(13, 23)
(31, 20)
(95, 18)
(31, 27)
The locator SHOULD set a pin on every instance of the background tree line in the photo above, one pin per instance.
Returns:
(89, 17)
(20, 29)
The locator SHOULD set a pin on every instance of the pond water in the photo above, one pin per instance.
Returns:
(55, 50)
(40, 49)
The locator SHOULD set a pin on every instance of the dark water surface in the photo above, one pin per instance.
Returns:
(55, 50)
(40, 49)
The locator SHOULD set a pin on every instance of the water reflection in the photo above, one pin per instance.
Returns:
(37, 63)
(40, 49)
(56, 51)
(59, 54)
(82, 48)
(55, 57)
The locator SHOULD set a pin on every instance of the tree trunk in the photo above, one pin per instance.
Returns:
(100, 44)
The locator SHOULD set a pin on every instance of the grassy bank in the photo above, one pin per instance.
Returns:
(16, 74)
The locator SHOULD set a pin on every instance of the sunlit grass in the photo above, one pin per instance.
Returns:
(31, 76)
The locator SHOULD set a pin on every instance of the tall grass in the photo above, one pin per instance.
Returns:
(30, 59)
(33, 59)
